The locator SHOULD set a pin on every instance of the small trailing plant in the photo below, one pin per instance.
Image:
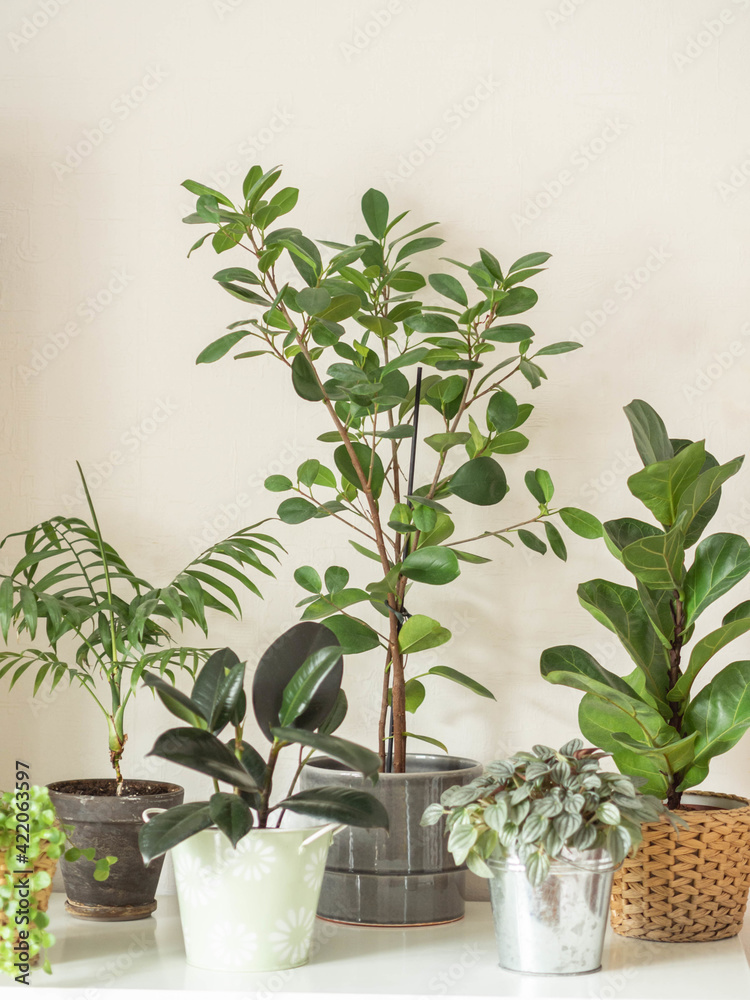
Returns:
(32, 839)
(81, 589)
(352, 331)
(538, 806)
(652, 721)
(297, 702)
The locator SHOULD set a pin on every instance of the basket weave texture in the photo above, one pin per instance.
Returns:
(687, 884)
(42, 863)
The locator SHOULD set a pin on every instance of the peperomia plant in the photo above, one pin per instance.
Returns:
(652, 721)
(352, 330)
(297, 701)
(538, 806)
(75, 582)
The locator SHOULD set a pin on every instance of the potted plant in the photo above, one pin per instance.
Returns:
(103, 626)
(354, 335)
(547, 828)
(31, 842)
(656, 721)
(247, 886)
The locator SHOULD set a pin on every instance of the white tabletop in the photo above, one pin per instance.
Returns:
(125, 961)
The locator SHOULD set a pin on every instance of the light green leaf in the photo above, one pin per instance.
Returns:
(465, 681)
(657, 561)
(720, 713)
(421, 632)
(661, 486)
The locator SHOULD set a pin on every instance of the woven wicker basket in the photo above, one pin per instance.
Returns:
(41, 863)
(687, 885)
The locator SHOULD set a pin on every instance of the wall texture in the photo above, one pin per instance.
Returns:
(614, 135)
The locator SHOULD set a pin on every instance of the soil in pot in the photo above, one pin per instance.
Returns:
(110, 823)
(404, 878)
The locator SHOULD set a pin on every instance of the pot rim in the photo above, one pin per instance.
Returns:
(731, 801)
(167, 789)
(461, 764)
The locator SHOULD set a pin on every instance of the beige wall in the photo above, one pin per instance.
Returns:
(612, 134)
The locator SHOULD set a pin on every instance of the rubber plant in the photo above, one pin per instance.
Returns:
(653, 720)
(297, 702)
(350, 327)
(81, 589)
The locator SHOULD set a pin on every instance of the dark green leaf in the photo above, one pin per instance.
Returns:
(353, 636)
(334, 804)
(414, 695)
(172, 827)
(517, 300)
(555, 541)
(479, 481)
(295, 510)
(375, 212)
(529, 539)
(720, 713)
(278, 484)
(203, 752)
(419, 245)
(303, 378)
(201, 189)
(502, 411)
(530, 260)
(450, 287)
(508, 333)
(649, 433)
(231, 815)
(309, 579)
(301, 689)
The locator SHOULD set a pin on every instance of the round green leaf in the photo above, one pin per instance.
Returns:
(296, 510)
(433, 564)
(479, 481)
(278, 484)
(502, 411)
(309, 579)
(421, 632)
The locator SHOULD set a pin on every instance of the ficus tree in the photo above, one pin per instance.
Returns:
(352, 329)
(104, 624)
(653, 721)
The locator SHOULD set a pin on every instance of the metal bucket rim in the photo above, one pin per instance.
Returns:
(564, 866)
(459, 765)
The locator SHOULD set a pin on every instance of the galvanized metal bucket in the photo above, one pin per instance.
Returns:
(557, 928)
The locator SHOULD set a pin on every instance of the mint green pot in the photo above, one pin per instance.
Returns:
(250, 908)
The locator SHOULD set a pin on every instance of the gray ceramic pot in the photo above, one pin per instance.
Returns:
(110, 825)
(405, 877)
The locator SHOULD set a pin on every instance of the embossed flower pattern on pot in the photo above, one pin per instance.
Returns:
(314, 863)
(291, 939)
(196, 882)
(253, 859)
(232, 943)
